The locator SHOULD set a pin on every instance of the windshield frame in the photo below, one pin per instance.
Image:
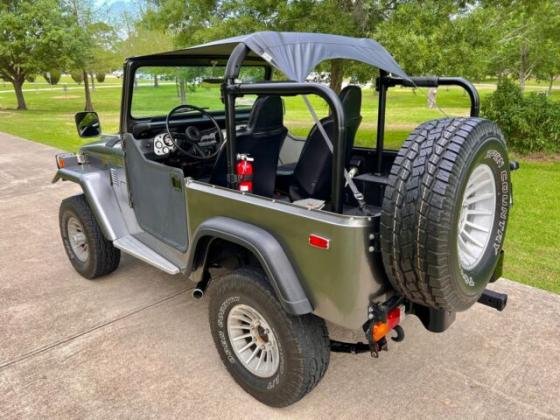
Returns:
(131, 65)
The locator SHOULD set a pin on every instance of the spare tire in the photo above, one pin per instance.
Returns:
(445, 212)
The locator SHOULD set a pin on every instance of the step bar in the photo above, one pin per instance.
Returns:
(134, 247)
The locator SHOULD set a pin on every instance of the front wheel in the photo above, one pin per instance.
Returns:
(89, 252)
(276, 357)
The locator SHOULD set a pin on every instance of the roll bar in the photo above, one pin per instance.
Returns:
(434, 81)
(231, 90)
(385, 81)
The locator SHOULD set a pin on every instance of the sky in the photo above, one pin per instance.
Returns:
(118, 6)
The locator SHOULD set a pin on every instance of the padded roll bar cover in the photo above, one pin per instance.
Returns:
(422, 81)
(267, 250)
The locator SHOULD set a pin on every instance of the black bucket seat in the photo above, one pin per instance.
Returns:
(312, 174)
(261, 140)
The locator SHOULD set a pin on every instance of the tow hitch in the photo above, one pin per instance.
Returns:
(374, 347)
(493, 299)
(385, 318)
(382, 320)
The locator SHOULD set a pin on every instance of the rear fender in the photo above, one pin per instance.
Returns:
(99, 193)
(266, 249)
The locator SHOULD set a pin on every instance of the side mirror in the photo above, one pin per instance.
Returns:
(88, 124)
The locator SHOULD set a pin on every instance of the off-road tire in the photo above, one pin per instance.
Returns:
(421, 210)
(103, 257)
(303, 341)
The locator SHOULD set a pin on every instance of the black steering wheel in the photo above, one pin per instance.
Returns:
(196, 143)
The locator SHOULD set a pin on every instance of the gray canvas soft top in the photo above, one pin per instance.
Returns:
(296, 54)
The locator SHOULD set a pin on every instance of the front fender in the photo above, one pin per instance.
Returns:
(96, 185)
(268, 251)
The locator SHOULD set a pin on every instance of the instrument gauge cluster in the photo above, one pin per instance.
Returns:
(163, 145)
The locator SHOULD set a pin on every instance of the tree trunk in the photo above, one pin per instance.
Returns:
(522, 67)
(337, 73)
(156, 81)
(550, 84)
(18, 88)
(432, 98)
(89, 104)
(182, 91)
(522, 82)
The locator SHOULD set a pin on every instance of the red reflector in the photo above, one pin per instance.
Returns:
(319, 242)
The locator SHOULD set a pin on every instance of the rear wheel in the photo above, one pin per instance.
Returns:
(276, 357)
(89, 252)
(445, 212)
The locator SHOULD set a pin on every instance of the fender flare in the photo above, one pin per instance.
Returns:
(100, 196)
(266, 248)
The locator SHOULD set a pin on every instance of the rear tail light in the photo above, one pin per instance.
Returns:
(394, 317)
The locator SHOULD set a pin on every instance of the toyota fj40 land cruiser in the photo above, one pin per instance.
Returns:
(286, 234)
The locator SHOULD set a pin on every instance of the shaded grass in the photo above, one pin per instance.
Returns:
(533, 232)
(50, 118)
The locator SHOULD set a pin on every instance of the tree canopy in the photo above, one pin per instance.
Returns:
(34, 37)
(474, 39)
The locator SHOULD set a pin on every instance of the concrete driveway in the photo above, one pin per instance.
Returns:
(136, 345)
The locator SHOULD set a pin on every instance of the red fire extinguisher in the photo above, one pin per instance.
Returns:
(244, 172)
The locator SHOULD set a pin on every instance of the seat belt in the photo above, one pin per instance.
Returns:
(349, 181)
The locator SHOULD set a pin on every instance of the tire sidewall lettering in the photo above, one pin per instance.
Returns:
(221, 323)
(225, 306)
(493, 154)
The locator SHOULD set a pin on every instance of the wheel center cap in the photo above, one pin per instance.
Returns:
(260, 335)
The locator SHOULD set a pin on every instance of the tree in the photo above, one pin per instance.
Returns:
(548, 65)
(77, 76)
(102, 40)
(199, 21)
(93, 44)
(52, 76)
(81, 11)
(143, 41)
(527, 30)
(548, 68)
(438, 38)
(33, 38)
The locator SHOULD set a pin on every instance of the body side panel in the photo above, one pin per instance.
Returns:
(339, 281)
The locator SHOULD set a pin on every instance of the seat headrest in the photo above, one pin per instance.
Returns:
(267, 114)
(351, 98)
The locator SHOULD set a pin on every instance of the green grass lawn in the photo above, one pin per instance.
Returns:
(533, 236)
(533, 233)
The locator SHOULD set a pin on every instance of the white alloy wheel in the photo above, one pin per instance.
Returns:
(253, 341)
(477, 216)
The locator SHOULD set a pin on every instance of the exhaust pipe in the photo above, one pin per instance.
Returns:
(197, 293)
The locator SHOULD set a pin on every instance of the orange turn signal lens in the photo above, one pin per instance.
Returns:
(60, 161)
(394, 317)
(380, 330)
